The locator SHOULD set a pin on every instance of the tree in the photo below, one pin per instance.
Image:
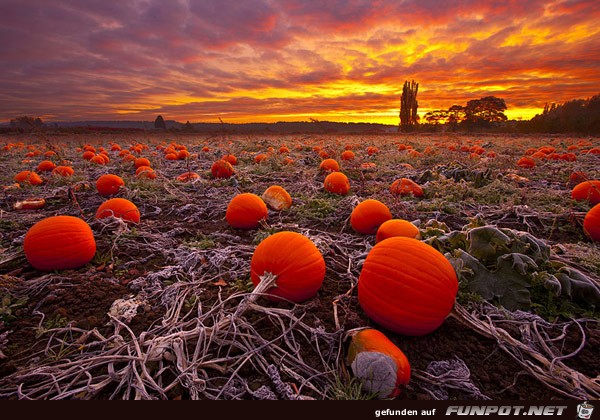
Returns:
(436, 117)
(26, 124)
(188, 126)
(408, 106)
(159, 123)
(485, 111)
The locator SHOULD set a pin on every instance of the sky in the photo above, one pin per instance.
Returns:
(290, 60)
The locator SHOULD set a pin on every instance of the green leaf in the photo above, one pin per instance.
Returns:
(487, 243)
(577, 286)
(526, 243)
(513, 281)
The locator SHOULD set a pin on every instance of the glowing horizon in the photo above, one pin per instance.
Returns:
(291, 60)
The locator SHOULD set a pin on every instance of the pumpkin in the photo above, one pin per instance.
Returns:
(222, 169)
(368, 215)
(231, 159)
(261, 157)
(591, 223)
(277, 198)
(405, 186)
(28, 177)
(329, 165)
(171, 156)
(119, 208)
(526, 162)
(63, 170)
(30, 204)
(145, 172)
(46, 166)
(396, 227)
(141, 162)
(188, 176)
(337, 183)
(587, 190)
(381, 366)
(246, 211)
(183, 154)
(372, 150)
(59, 243)
(99, 159)
(88, 155)
(295, 263)
(109, 184)
(283, 150)
(577, 177)
(348, 155)
(407, 286)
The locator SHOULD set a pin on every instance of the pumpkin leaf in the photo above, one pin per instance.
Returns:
(577, 286)
(513, 281)
(478, 278)
(550, 282)
(526, 243)
(378, 372)
(487, 242)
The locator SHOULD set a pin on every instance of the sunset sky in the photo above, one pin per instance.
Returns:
(290, 60)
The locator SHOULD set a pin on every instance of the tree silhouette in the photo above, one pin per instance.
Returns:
(408, 106)
(485, 111)
(159, 123)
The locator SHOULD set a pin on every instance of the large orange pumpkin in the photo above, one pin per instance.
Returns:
(46, 166)
(120, 208)
(396, 227)
(141, 162)
(246, 211)
(405, 186)
(368, 215)
(59, 243)
(591, 223)
(277, 198)
(294, 260)
(337, 183)
(587, 190)
(381, 366)
(109, 184)
(407, 286)
(222, 169)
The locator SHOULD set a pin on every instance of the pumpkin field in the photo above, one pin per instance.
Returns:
(172, 265)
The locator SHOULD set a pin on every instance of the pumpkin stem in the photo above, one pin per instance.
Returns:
(267, 281)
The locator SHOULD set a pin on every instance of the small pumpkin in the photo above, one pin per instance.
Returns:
(222, 169)
(188, 177)
(406, 187)
(109, 184)
(407, 286)
(368, 215)
(329, 165)
(591, 223)
(46, 166)
(260, 157)
(59, 243)
(396, 227)
(295, 263)
(232, 159)
(28, 177)
(246, 211)
(141, 162)
(526, 162)
(347, 155)
(63, 170)
(145, 172)
(277, 198)
(119, 208)
(30, 204)
(88, 155)
(337, 183)
(587, 191)
(381, 366)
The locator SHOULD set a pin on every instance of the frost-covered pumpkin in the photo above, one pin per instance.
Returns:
(294, 261)
(188, 177)
(368, 215)
(59, 243)
(407, 286)
(260, 157)
(246, 211)
(222, 169)
(406, 187)
(347, 155)
(232, 159)
(591, 223)
(109, 184)
(380, 365)
(587, 191)
(337, 183)
(120, 208)
(526, 162)
(277, 198)
(396, 227)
